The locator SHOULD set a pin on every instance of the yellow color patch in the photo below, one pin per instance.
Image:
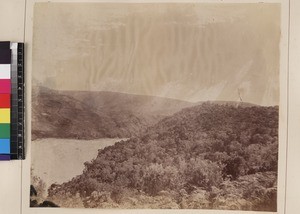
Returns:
(4, 115)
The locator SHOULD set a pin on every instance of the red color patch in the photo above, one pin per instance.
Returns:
(4, 100)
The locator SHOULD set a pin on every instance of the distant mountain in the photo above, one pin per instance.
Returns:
(208, 156)
(114, 102)
(91, 115)
(59, 116)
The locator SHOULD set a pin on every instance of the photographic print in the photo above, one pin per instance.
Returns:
(155, 106)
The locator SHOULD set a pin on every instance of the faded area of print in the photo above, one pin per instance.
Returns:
(163, 106)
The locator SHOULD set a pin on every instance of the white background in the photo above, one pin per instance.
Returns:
(14, 175)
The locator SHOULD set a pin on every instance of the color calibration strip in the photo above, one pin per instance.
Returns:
(11, 101)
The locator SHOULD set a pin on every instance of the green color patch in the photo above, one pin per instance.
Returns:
(4, 130)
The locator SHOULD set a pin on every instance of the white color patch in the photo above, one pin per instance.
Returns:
(4, 71)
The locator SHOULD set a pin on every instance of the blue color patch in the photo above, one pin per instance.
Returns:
(4, 146)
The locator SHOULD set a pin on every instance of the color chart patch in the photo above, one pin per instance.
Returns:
(11, 100)
(4, 100)
(5, 71)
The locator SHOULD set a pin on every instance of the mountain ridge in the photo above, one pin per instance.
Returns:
(92, 115)
(101, 114)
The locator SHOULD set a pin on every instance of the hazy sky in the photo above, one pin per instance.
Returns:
(192, 52)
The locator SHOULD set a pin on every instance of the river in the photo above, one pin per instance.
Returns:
(59, 160)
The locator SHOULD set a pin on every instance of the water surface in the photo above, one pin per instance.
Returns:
(59, 160)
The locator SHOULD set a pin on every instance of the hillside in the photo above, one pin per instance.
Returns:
(208, 156)
(60, 116)
(105, 101)
(92, 115)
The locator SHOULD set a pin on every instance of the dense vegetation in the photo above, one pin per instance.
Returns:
(206, 156)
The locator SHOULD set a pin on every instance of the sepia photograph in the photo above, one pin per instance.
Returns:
(155, 106)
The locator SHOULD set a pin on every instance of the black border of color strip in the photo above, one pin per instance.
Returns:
(21, 102)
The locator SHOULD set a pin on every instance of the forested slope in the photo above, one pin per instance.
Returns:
(206, 156)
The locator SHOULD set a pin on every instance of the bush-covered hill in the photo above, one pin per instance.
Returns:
(92, 115)
(207, 156)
